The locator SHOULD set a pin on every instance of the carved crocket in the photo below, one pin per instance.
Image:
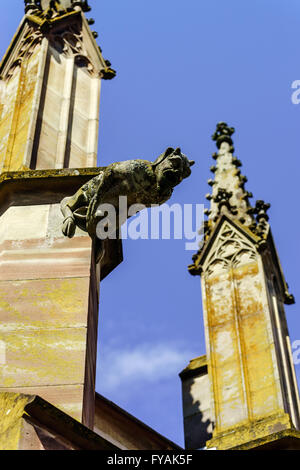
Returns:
(141, 181)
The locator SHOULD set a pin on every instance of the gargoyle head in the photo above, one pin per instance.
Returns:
(171, 168)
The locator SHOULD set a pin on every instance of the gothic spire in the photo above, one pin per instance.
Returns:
(243, 292)
(229, 196)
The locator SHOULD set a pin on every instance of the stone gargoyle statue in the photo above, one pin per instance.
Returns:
(141, 181)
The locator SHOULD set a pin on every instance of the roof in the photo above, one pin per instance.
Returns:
(126, 431)
(30, 423)
(197, 366)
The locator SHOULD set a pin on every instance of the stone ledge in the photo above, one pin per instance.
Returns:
(254, 431)
(288, 439)
(38, 187)
(197, 366)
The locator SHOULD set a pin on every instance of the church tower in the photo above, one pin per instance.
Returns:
(243, 394)
(50, 80)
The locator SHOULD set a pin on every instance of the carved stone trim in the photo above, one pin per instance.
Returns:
(70, 43)
(230, 250)
(26, 47)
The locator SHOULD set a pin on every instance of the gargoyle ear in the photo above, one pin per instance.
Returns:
(169, 151)
(178, 151)
(192, 162)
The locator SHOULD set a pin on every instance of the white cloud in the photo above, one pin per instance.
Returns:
(144, 363)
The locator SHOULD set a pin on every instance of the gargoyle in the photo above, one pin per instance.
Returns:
(141, 181)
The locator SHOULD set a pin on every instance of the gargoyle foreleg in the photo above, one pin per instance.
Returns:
(94, 213)
(68, 205)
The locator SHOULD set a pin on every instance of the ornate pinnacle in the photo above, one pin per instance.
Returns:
(229, 196)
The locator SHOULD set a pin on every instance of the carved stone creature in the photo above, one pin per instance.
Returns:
(141, 181)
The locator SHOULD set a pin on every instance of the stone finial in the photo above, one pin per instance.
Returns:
(260, 210)
(222, 198)
(223, 133)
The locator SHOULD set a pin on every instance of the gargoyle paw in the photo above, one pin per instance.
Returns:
(69, 227)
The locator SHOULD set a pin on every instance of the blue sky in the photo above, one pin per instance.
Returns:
(181, 68)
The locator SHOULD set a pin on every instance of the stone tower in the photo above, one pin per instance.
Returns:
(50, 81)
(243, 393)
